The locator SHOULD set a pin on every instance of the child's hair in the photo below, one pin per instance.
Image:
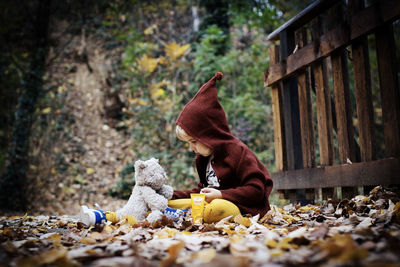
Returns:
(181, 134)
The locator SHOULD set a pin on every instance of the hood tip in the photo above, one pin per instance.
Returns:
(219, 76)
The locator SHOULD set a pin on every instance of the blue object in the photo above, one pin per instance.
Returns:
(175, 214)
(91, 216)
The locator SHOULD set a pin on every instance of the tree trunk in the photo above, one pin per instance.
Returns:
(12, 186)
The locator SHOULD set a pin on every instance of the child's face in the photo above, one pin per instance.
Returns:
(199, 148)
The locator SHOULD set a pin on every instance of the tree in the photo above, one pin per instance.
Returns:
(12, 193)
(217, 13)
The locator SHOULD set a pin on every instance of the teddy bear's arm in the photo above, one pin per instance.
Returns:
(167, 191)
(153, 200)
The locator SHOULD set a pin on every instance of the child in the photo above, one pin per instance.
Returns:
(227, 168)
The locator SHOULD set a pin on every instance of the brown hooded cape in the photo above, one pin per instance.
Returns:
(242, 177)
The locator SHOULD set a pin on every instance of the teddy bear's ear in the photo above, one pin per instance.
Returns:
(140, 165)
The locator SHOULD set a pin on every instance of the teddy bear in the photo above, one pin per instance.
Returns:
(149, 193)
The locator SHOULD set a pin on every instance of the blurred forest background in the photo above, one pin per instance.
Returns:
(88, 87)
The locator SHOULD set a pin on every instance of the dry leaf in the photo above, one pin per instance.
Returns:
(174, 50)
(173, 252)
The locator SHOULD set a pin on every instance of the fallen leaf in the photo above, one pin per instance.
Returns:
(173, 252)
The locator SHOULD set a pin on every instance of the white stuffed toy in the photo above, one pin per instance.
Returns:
(149, 193)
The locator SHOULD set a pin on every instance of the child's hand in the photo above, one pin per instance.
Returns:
(211, 193)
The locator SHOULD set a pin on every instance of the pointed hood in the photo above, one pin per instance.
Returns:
(203, 117)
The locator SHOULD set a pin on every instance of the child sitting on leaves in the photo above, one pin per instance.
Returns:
(229, 171)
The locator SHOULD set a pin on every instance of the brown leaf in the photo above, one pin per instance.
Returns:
(319, 233)
(88, 241)
(173, 252)
(344, 249)
(51, 256)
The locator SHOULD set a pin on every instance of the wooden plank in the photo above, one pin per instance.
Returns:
(338, 37)
(323, 104)
(389, 88)
(276, 98)
(380, 172)
(305, 108)
(344, 119)
(367, 20)
(291, 108)
(363, 91)
(303, 17)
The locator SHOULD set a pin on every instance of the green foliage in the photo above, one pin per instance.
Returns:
(206, 60)
(246, 102)
(262, 15)
(161, 77)
(158, 85)
(124, 187)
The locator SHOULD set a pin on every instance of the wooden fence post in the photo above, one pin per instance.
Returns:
(305, 107)
(388, 81)
(291, 107)
(344, 119)
(277, 111)
(323, 105)
(362, 83)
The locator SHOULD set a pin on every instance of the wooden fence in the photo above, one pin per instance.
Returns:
(319, 71)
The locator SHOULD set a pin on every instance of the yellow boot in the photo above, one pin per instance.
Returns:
(111, 216)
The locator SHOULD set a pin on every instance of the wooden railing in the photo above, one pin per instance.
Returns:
(312, 57)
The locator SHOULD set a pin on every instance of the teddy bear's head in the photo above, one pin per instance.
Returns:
(150, 173)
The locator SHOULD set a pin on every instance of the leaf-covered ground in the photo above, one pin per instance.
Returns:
(363, 231)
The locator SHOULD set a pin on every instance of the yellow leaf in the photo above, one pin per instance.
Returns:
(242, 220)
(156, 89)
(156, 86)
(343, 248)
(271, 243)
(141, 102)
(159, 92)
(276, 253)
(88, 241)
(166, 233)
(51, 256)
(173, 252)
(55, 237)
(174, 50)
(90, 171)
(205, 255)
(46, 110)
(135, 101)
(147, 64)
(162, 61)
(150, 30)
(61, 89)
